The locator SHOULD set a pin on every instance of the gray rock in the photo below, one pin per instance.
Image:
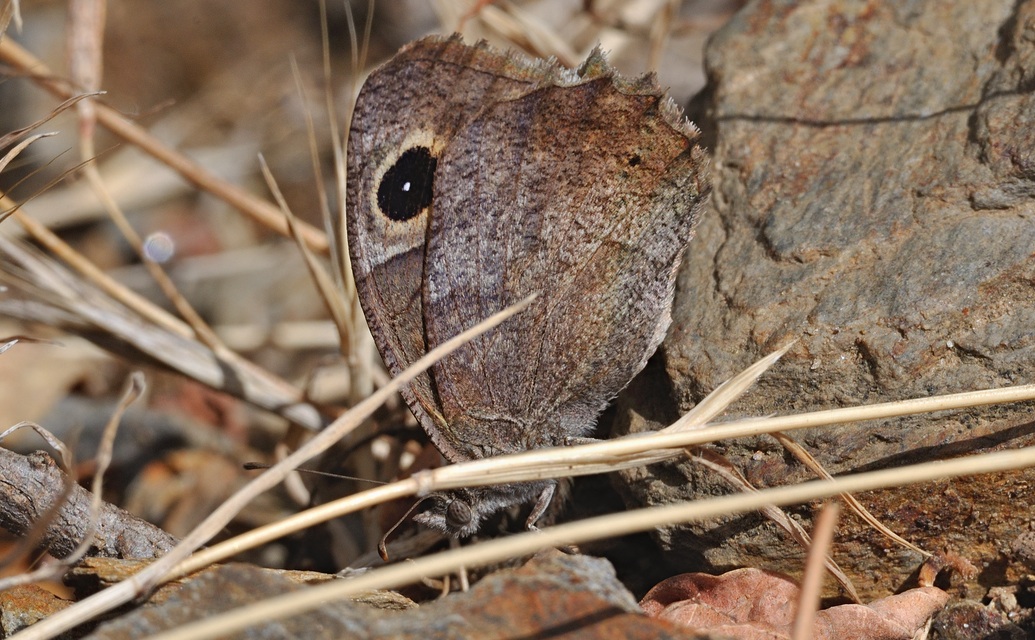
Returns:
(554, 593)
(874, 174)
(25, 605)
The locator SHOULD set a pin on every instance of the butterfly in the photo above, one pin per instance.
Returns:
(477, 178)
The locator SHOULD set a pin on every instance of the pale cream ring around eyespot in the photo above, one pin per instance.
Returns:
(400, 237)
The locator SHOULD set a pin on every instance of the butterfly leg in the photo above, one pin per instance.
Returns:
(461, 574)
(540, 508)
(541, 504)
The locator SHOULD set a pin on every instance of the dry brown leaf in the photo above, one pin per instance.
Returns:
(755, 604)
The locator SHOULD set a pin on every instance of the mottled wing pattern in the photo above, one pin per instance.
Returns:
(412, 102)
(586, 195)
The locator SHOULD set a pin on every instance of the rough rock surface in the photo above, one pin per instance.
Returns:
(553, 595)
(874, 198)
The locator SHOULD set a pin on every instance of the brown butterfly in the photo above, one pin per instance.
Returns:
(477, 178)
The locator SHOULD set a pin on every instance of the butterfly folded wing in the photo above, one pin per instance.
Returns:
(586, 195)
(410, 103)
(477, 178)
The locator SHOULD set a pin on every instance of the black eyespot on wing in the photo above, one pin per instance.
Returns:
(634, 160)
(406, 188)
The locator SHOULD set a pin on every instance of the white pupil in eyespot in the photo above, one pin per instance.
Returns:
(406, 187)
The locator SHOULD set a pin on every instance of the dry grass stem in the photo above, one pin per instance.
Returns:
(85, 45)
(8, 343)
(54, 571)
(806, 458)
(513, 24)
(77, 304)
(86, 40)
(723, 395)
(812, 582)
(140, 305)
(726, 470)
(603, 457)
(259, 210)
(297, 522)
(29, 542)
(8, 138)
(10, 10)
(135, 387)
(660, 29)
(614, 525)
(642, 449)
(332, 286)
(199, 327)
(55, 443)
(14, 153)
(357, 345)
(159, 571)
(324, 283)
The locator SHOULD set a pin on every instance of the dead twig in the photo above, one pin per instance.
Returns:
(30, 485)
(259, 210)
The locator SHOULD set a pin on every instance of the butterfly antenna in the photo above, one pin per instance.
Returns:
(255, 466)
(382, 545)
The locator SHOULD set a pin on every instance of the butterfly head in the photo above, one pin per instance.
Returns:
(461, 513)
